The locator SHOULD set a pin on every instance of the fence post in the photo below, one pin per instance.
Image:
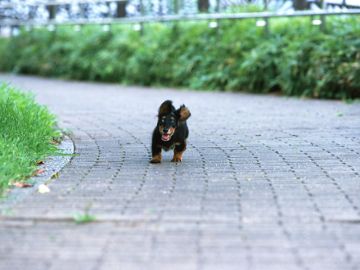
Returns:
(300, 4)
(142, 9)
(323, 23)
(142, 12)
(176, 6)
(52, 11)
(203, 5)
(323, 17)
(121, 9)
(267, 26)
(267, 20)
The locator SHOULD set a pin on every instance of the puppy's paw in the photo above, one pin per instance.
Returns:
(177, 156)
(156, 159)
(176, 159)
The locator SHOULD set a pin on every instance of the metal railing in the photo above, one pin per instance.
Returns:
(57, 3)
(73, 9)
(174, 18)
(318, 17)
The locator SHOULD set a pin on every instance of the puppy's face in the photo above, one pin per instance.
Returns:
(170, 118)
(167, 126)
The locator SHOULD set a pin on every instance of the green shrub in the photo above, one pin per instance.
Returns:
(295, 77)
(294, 58)
(261, 60)
(27, 130)
(336, 63)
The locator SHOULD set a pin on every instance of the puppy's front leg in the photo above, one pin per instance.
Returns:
(156, 154)
(178, 152)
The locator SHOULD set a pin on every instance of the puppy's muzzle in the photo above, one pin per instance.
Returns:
(167, 134)
(166, 137)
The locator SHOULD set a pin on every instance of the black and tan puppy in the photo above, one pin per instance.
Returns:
(170, 132)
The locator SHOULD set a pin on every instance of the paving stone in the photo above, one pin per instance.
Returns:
(266, 183)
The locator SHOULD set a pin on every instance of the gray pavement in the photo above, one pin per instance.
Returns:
(266, 183)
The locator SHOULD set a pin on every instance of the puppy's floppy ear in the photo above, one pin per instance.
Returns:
(183, 113)
(166, 107)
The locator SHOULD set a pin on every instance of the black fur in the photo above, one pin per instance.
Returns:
(168, 119)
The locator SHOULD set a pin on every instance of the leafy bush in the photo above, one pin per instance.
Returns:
(262, 60)
(294, 58)
(27, 130)
(336, 63)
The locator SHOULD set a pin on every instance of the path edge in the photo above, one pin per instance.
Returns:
(52, 166)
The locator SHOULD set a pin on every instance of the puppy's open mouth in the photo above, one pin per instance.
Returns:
(166, 137)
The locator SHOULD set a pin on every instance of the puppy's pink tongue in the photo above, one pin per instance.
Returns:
(165, 137)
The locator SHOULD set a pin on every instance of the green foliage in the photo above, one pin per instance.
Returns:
(262, 60)
(336, 63)
(294, 58)
(84, 218)
(27, 130)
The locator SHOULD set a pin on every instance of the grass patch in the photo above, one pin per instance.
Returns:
(27, 135)
(84, 218)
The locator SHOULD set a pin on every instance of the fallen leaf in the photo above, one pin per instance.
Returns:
(55, 142)
(37, 172)
(22, 185)
(55, 175)
(43, 189)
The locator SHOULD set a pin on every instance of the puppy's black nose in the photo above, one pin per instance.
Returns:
(165, 130)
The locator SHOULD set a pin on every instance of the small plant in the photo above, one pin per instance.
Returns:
(85, 217)
(339, 114)
(81, 218)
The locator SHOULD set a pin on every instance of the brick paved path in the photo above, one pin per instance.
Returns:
(266, 183)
